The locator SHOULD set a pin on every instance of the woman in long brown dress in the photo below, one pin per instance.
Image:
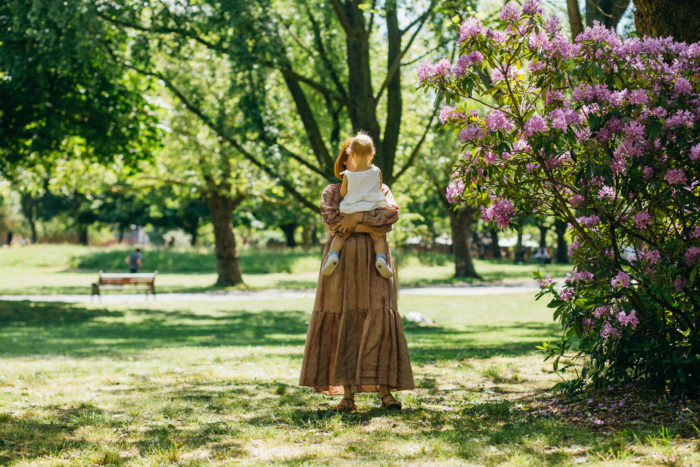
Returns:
(355, 341)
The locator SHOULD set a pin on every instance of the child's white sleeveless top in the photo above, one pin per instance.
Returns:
(364, 191)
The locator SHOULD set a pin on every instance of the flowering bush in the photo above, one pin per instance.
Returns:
(602, 133)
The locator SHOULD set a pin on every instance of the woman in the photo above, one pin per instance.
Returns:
(355, 341)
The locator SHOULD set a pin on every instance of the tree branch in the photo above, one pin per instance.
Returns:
(414, 153)
(338, 8)
(393, 69)
(322, 53)
(218, 130)
(422, 18)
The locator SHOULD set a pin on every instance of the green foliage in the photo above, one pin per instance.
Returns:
(571, 135)
(59, 88)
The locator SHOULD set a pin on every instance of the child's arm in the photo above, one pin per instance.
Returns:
(344, 186)
(381, 182)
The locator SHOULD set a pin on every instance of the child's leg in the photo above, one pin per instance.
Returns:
(379, 244)
(380, 249)
(334, 254)
(337, 243)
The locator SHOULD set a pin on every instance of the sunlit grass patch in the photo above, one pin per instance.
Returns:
(216, 383)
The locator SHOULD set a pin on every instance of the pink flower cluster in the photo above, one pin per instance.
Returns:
(497, 120)
(642, 220)
(628, 319)
(546, 282)
(691, 256)
(500, 212)
(428, 71)
(589, 221)
(472, 27)
(510, 12)
(622, 279)
(566, 294)
(608, 331)
(652, 256)
(454, 189)
(676, 177)
(473, 58)
(535, 124)
(471, 133)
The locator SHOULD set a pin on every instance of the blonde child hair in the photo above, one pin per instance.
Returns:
(360, 144)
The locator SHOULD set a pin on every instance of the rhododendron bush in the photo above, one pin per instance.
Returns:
(603, 134)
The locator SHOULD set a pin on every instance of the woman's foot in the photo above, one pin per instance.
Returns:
(346, 405)
(390, 402)
(382, 266)
(331, 262)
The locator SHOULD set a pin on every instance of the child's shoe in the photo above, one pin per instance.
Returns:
(330, 264)
(383, 267)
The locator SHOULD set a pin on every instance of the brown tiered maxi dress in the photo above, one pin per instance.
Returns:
(355, 335)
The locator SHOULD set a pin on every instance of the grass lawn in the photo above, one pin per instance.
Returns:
(70, 269)
(215, 383)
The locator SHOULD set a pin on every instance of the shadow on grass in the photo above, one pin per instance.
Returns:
(58, 430)
(37, 328)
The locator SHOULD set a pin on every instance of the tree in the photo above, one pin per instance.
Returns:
(612, 149)
(679, 19)
(324, 76)
(437, 168)
(58, 91)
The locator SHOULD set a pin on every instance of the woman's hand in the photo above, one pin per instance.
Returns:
(349, 222)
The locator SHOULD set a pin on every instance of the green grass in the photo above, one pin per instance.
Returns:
(215, 383)
(70, 269)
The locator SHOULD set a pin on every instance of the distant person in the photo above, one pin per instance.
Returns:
(134, 260)
(542, 255)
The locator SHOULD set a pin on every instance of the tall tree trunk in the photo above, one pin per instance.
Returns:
(495, 248)
(394, 107)
(227, 267)
(28, 207)
(662, 18)
(562, 255)
(363, 107)
(288, 230)
(83, 234)
(607, 12)
(543, 235)
(192, 232)
(519, 256)
(460, 224)
(575, 20)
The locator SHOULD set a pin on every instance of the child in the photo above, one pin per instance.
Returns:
(361, 191)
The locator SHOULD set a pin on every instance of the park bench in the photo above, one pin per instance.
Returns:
(119, 280)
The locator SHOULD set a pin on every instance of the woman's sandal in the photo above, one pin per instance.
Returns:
(346, 405)
(390, 402)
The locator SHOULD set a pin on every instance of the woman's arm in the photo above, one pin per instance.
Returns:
(362, 228)
(383, 218)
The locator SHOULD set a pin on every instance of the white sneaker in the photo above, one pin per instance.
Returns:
(330, 264)
(383, 267)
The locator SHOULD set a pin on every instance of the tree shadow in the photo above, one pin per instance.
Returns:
(26, 439)
(57, 328)
(37, 328)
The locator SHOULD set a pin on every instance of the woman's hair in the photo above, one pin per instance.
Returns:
(360, 144)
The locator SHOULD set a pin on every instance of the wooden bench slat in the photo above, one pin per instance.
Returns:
(121, 279)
